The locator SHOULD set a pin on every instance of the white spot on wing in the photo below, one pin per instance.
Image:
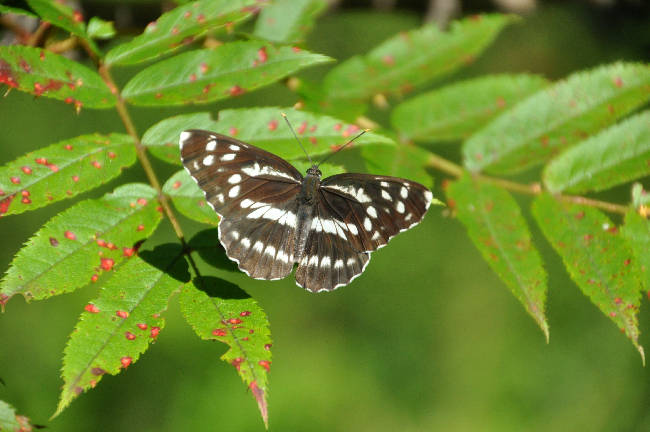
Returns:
(235, 178)
(325, 262)
(384, 184)
(195, 165)
(385, 195)
(372, 212)
(220, 198)
(313, 261)
(328, 226)
(367, 224)
(338, 264)
(375, 235)
(363, 197)
(257, 213)
(258, 246)
(233, 147)
(228, 157)
(234, 235)
(403, 192)
(256, 171)
(270, 250)
(246, 242)
(353, 229)
(400, 207)
(184, 137)
(408, 217)
(233, 192)
(273, 214)
(211, 146)
(351, 261)
(246, 203)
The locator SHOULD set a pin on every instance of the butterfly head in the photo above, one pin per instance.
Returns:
(314, 172)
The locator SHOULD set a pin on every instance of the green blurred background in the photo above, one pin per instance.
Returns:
(428, 339)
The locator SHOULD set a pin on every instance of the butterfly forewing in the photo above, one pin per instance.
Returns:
(263, 204)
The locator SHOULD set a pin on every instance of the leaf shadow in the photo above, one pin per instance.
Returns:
(206, 243)
(220, 288)
(168, 258)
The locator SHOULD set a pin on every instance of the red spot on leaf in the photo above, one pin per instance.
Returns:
(75, 178)
(273, 125)
(67, 147)
(176, 185)
(244, 338)
(126, 361)
(129, 336)
(25, 66)
(98, 371)
(140, 227)
(26, 170)
(262, 55)
(92, 308)
(232, 131)
(618, 82)
(5, 75)
(4, 298)
(612, 230)
(338, 126)
(245, 313)
(41, 161)
(142, 201)
(94, 278)
(128, 252)
(313, 140)
(580, 215)
(158, 95)
(192, 77)
(219, 332)
(70, 235)
(268, 347)
(200, 18)
(266, 365)
(175, 30)
(5, 203)
(107, 264)
(154, 332)
(78, 16)
(15, 180)
(296, 49)
(142, 326)
(236, 362)
(101, 243)
(627, 262)
(617, 300)
(388, 60)
(51, 84)
(236, 91)
(351, 130)
(25, 193)
(251, 331)
(612, 314)
(235, 321)
(187, 14)
(302, 128)
(203, 67)
(122, 314)
(54, 242)
(111, 155)
(96, 164)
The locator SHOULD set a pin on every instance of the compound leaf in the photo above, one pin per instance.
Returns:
(288, 20)
(189, 199)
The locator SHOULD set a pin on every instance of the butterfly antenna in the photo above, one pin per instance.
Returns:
(294, 134)
(341, 148)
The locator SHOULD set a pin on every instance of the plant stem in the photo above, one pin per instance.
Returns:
(142, 153)
(457, 171)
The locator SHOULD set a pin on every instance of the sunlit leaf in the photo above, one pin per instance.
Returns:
(221, 311)
(76, 246)
(43, 73)
(179, 27)
(404, 161)
(63, 170)
(288, 20)
(616, 155)
(162, 138)
(458, 110)
(494, 223)
(189, 199)
(62, 15)
(412, 58)
(315, 100)
(559, 116)
(598, 258)
(100, 29)
(121, 324)
(208, 75)
(267, 129)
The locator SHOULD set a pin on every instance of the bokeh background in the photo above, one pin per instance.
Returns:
(428, 339)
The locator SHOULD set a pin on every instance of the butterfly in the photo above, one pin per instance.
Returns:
(272, 217)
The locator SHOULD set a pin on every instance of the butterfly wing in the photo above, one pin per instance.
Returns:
(356, 214)
(254, 192)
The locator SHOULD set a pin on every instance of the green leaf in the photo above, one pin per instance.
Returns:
(640, 197)
(63, 16)
(10, 421)
(288, 20)
(207, 244)
(266, 128)
(43, 73)
(74, 247)
(8, 9)
(317, 101)
(616, 155)
(222, 311)
(162, 138)
(494, 223)
(179, 27)
(412, 58)
(637, 231)
(598, 258)
(212, 74)
(189, 199)
(100, 29)
(557, 117)
(456, 111)
(63, 170)
(121, 324)
(404, 161)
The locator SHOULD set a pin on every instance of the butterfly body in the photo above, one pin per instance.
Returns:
(272, 217)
